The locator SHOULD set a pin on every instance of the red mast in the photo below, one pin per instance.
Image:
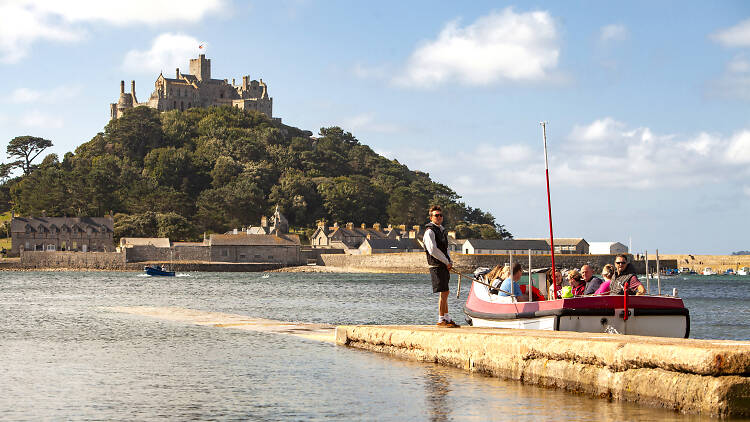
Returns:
(549, 212)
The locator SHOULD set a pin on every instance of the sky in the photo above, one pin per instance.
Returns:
(648, 129)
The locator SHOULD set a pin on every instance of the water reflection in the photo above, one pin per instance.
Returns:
(437, 389)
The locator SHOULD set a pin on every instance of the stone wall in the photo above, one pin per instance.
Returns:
(143, 253)
(718, 263)
(88, 260)
(415, 262)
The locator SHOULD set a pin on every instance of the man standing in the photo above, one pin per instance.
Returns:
(436, 246)
(592, 283)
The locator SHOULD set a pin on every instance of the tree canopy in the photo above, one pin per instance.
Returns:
(182, 173)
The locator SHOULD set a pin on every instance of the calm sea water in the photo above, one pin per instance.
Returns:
(66, 357)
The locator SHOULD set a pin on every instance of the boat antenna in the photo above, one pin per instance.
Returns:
(549, 212)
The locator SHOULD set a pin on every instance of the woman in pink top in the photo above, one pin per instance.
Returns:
(607, 273)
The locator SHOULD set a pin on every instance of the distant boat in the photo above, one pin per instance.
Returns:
(743, 271)
(708, 271)
(157, 270)
(729, 271)
(684, 270)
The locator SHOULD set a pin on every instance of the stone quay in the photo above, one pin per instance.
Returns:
(708, 377)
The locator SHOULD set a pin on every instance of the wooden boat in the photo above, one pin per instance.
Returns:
(660, 316)
(157, 270)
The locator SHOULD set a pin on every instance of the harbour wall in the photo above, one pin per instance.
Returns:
(707, 377)
(718, 263)
(415, 262)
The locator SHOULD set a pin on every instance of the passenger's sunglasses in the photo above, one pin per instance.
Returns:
(437, 215)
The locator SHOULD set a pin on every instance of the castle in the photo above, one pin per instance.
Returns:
(197, 89)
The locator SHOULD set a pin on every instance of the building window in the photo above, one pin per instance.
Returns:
(242, 256)
(225, 253)
(51, 247)
(270, 256)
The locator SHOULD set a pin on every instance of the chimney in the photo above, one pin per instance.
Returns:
(132, 87)
(350, 226)
(368, 236)
(402, 227)
(234, 231)
(177, 73)
(364, 226)
(264, 221)
(232, 81)
(416, 228)
(336, 224)
(245, 81)
(376, 226)
(122, 87)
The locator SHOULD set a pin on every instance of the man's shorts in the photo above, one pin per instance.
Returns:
(440, 278)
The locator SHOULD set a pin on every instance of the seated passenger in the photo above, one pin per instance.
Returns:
(510, 286)
(495, 277)
(577, 285)
(550, 288)
(625, 274)
(591, 281)
(607, 273)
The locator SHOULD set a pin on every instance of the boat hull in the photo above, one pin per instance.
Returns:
(158, 272)
(657, 316)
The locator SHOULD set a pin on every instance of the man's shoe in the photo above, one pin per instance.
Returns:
(452, 324)
(443, 324)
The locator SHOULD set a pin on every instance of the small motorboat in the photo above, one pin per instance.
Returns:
(660, 316)
(158, 270)
(743, 271)
(708, 271)
(729, 271)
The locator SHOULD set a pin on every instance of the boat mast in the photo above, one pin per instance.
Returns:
(549, 212)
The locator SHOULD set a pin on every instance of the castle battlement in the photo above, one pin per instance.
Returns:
(197, 89)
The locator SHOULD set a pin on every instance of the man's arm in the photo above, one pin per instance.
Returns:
(431, 247)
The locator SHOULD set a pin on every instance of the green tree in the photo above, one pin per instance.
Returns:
(26, 149)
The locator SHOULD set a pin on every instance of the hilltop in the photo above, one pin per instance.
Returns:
(179, 174)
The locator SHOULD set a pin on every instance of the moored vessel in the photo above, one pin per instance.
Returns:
(158, 270)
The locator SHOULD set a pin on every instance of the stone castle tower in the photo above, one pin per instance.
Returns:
(197, 89)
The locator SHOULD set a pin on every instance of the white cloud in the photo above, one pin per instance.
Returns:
(365, 122)
(24, 22)
(735, 36)
(55, 95)
(614, 32)
(739, 148)
(168, 51)
(502, 46)
(734, 83)
(40, 120)
(599, 130)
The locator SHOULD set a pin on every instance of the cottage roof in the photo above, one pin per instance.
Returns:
(243, 239)
(560, 241)
(159, 242)
(388, 243)
(508, 244)
(103, 224)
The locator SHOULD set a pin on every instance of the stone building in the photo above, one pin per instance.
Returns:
(197, 89)
(567, 245)
(84, 234)
(259, 248)
(349, 238)
(505, 246)
(372, 246)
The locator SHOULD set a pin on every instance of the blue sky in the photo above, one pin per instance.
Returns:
(647, 102)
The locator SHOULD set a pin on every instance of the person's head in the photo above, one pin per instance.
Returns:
(517, 271)
(621, 261)
(608, 271)
(436, 215)
(574, 277)
(587, 272)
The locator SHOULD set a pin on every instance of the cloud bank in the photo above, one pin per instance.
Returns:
(167, 52)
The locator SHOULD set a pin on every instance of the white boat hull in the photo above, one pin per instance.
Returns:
(642, 325)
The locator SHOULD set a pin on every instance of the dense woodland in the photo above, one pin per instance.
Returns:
(180, 174)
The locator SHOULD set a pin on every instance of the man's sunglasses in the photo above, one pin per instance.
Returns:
(437, 215)
(619, 262)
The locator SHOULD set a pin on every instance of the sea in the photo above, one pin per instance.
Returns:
(65, 354)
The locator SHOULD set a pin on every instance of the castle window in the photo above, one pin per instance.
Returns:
(221, 95)
(175, 106)
(182, 106)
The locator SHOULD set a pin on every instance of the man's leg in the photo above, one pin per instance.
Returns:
(443, 303)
